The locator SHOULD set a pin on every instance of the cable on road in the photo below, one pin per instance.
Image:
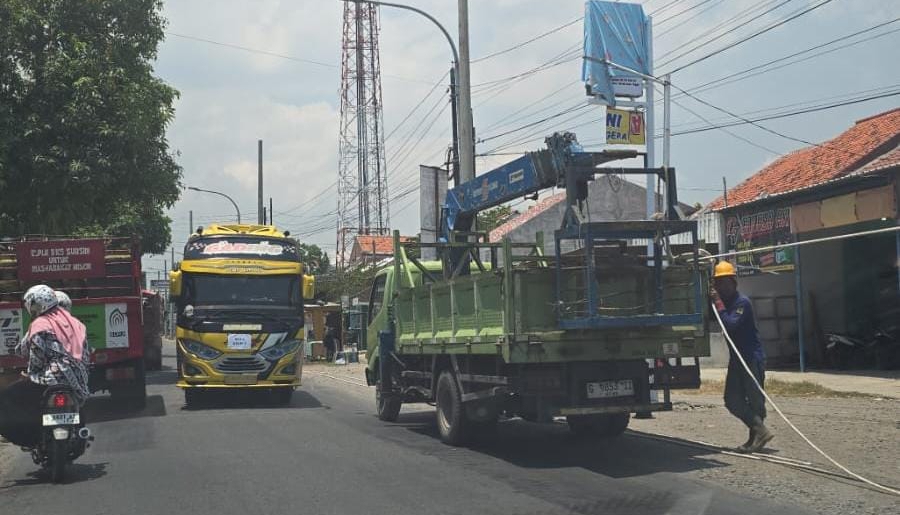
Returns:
(737, 353)
(777, 460)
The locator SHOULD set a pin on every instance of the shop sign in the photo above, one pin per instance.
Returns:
(757, 230)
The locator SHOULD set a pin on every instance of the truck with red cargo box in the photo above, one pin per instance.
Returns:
(103, 278)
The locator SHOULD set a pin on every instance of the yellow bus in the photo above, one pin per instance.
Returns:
(238, 297)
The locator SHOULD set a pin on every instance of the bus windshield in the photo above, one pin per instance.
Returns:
(276, 291)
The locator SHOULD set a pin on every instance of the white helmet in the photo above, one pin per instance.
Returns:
(63, 300)
(39, 299)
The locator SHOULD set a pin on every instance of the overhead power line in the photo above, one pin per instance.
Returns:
(526, 42)
(682, 23)
(737, 20)
(763, 68)
(276, 54)
(751, 36)
(742, 120)
(679, 13)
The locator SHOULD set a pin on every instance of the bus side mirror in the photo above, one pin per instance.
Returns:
(174, 285)
(309, 286)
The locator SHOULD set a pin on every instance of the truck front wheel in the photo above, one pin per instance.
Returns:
(604, 425)
(451, 415)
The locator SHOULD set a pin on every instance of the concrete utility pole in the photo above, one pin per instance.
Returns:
(466, 129)
(191, 221)
(271, 213)
(259, 205)
(173, 258)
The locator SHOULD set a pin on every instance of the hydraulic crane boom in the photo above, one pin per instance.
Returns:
(562, 164)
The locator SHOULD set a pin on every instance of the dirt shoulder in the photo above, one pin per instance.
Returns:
(860, 431)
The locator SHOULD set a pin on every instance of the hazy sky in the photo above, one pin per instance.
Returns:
(232, 97)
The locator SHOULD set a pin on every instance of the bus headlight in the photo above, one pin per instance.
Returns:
(281, 350)
(200, 350)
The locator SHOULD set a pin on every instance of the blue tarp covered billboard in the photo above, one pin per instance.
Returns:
(618, 32)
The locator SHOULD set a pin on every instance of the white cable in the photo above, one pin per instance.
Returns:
(777, 409)
(805, 242)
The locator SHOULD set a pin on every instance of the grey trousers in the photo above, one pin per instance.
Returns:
(742, 398)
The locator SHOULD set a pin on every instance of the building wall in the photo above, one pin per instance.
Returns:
(774, 296)
(610, 198)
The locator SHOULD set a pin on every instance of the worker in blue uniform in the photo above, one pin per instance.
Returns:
(742, 398)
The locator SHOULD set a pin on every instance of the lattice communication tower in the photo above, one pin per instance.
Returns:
(362, 173)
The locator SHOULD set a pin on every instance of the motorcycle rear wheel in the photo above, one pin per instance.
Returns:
(58, 458)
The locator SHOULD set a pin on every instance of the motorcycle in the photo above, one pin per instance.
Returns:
(63, 435)
(881, 350)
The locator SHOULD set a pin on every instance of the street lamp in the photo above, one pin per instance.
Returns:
(461, 94)
(223, 195)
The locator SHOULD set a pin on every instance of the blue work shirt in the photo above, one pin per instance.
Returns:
(741, 326)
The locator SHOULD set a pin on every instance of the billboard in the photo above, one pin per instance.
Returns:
(618, 33)
(624, 127)
(764, 228)
(60, 259)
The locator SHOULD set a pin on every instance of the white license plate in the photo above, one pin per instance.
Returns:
(606, 389)
(61, 419)
(240, 379)
(239, 341)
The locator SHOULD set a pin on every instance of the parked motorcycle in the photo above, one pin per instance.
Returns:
(881, 350)
(63, 435)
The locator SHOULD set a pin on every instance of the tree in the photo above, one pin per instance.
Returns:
(490, 219)
(82, 120)
(314, 258)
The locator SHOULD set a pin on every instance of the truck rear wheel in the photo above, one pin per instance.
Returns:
(451, 415)
(603, 425)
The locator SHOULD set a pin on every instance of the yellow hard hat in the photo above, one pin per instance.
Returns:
(724, 269)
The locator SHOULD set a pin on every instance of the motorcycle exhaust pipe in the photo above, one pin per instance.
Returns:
(84, 433)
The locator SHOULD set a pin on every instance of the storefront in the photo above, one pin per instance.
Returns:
(843, 283)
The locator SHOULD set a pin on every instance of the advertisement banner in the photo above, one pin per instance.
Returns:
(624, 127)
(761, 229)
(106, 324)
(63, 259)
(11, 330)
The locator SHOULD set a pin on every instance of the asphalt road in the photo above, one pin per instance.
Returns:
(328, 454)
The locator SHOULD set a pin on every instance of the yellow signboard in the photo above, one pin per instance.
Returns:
(624, 127)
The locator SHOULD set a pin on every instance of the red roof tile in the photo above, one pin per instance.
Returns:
(382, 245)
(517, 221)
(857, 150)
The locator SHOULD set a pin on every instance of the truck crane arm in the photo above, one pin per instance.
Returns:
(562, 164)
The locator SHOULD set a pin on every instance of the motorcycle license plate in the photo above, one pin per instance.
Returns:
(607, 389)
(61, 419)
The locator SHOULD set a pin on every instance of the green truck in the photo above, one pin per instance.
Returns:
(601, 330)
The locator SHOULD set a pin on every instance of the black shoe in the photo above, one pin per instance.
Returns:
(745, 447)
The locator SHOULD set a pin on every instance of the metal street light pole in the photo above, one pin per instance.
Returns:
(223, 195)
(461, 93)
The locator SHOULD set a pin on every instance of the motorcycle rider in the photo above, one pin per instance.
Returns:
(57, 353)
(63, 300)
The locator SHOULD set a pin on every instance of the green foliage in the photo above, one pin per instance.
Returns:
(490, 219)
(352, 282)
(314, 258)
(83, 119)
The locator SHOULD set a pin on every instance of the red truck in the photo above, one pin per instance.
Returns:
(103, 278)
